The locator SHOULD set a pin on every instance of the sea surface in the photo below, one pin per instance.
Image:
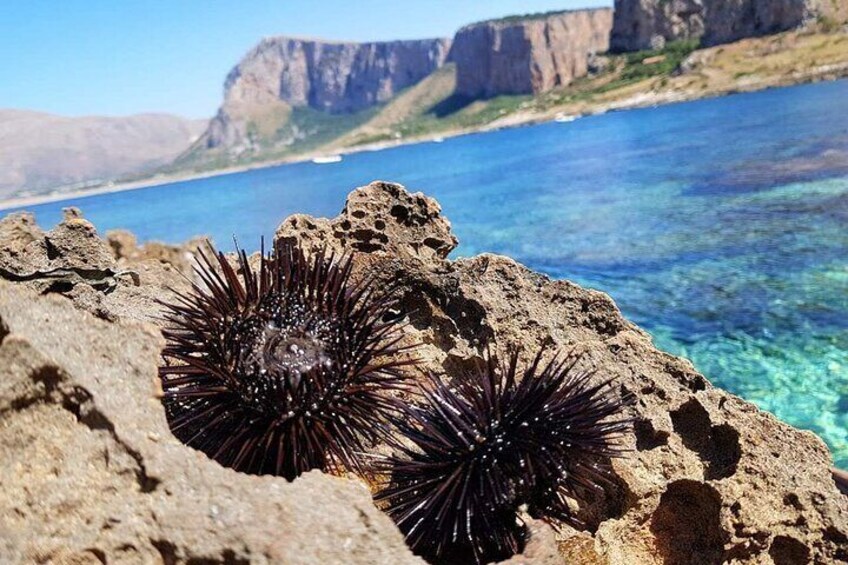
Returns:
(721, 226)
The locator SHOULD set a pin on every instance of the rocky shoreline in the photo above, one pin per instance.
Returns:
(91, 472)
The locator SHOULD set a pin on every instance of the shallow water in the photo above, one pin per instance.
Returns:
(721, 226)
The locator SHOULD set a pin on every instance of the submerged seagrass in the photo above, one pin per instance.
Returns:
(492, 441)
(284, 369)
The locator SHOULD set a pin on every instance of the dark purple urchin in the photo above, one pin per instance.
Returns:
(491, 442)
(283, 369)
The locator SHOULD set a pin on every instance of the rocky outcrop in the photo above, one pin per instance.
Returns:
(91, 470)
(729, 20)
(328, 76)
(528, 55)
(646, 24)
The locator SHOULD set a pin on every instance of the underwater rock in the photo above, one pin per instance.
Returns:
(91, 470)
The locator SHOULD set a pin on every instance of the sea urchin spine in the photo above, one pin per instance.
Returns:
(283, 369)
(492, 442)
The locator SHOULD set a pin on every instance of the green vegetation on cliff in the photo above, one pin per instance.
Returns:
(432, 109)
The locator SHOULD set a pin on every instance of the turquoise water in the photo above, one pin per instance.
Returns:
(721, 226)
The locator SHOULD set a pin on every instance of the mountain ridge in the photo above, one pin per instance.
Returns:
(40, 151)
(282, 73)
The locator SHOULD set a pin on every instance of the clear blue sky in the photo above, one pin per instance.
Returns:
(115, 57)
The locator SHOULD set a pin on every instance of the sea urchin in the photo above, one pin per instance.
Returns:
(492, 442)
(283, 369)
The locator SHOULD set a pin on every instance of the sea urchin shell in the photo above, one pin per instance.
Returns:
(489, 443)
(283, 369)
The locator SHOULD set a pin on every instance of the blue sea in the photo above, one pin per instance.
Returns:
(720, 226)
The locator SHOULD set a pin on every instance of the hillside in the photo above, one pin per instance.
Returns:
(679, 71)
(284, 81)
(42, 152)
(291, 98)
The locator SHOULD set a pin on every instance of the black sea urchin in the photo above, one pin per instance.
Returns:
(489, 443)
(283, 369)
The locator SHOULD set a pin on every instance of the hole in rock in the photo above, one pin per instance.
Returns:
(612, 502)
(687, 524)
(788, 551)
(470, 319)
(647, 437)
(228, 557)
(52, 250)
(717, 446)
(59, 287)
(400, 213)
(433, 243)
(840, 540)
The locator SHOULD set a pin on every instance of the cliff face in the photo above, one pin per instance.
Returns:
(638, 22)
(729, 20)
(641, 23)
(328, 76)
(531, 55)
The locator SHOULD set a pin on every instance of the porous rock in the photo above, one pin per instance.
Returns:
(708, 479)
(127, 251)
(91, 472)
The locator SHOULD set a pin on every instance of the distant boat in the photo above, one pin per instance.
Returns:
(565, 118)
(327, 159)
(438, 139)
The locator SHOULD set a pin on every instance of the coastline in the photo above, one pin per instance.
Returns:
(641, 95)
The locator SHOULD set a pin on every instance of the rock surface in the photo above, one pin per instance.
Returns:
(639, 24)
(528, 55)
(335, 77)
(91, 473)
(90, 470)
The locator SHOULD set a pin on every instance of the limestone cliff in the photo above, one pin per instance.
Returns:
(283, 72)
(528, 55)
(641, 24)
(729, 20)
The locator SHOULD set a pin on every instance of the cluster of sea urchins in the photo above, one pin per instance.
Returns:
(284, 368)
(497, 440)
(292, 367)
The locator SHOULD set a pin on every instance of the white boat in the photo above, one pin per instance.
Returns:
(565, 118)
(438, 139)
(327, 159)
